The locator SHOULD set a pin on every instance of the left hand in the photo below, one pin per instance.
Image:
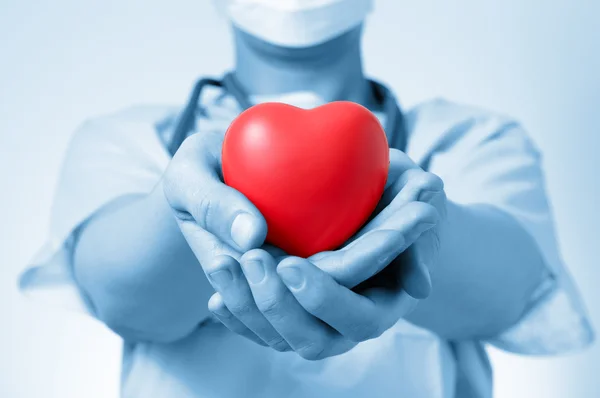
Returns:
(311, 302)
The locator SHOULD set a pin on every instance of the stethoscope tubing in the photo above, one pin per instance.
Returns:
(187, 118)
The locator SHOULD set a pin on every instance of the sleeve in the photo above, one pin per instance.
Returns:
(108, 158)
(488, 159)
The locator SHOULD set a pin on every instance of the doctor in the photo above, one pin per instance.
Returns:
(461, 253)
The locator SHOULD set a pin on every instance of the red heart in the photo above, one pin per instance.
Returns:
(315, 175)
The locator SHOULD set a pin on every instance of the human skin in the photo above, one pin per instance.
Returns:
(148, 281)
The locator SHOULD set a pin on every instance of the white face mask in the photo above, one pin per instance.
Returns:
(295, 23)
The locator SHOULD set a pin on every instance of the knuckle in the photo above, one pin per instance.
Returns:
(189, 150)
(343, 260)
(198, 143)
(417, 210)
(411, 176)
(192, 140)
(317, 306)
(215, 254)
(336, 263)
(183, 183)
(317, 302)
(202, 209)
(171, 182)
(206, 146)
(270, 306)
(431, 181)
(421, 180)
(216, 247)
(279, 344)
(241, 310)
(396, 155)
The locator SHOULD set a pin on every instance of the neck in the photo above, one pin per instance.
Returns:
(332, 70)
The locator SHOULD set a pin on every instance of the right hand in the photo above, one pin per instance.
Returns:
(211, 215)
(218, 222)
(215, 218)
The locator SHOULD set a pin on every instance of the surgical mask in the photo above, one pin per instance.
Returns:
(295, 23)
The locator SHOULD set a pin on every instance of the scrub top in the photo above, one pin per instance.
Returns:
(482, 157)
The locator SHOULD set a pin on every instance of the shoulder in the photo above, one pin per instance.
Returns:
(131, 123)
(443, 115)
(131, 133)
(137, 115)
(440, 125)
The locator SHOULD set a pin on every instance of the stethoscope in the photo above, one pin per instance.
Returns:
(394, 123)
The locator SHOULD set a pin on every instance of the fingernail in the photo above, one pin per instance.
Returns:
(254, 271)
(215, 305)
(221, 278)
(292, 277)
(241, 229)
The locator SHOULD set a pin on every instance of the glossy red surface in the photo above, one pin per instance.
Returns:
(316, 175)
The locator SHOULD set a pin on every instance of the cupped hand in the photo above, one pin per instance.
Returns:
(414, 202)
(217, 221)
(311, 303)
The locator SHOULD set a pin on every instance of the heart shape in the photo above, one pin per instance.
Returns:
(315, 175)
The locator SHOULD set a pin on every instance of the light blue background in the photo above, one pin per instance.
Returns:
(65, 60)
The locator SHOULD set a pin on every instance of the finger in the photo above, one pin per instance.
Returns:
(362, 259)
(274, 251)
(218, 308)
(206, 246)
(354, 316)
(309, 337)
(386, 290)
(195, 191)
(414, 273)
(228, 280)
(400, 162)
(414, 185)
(405, 175)
(374, 250)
